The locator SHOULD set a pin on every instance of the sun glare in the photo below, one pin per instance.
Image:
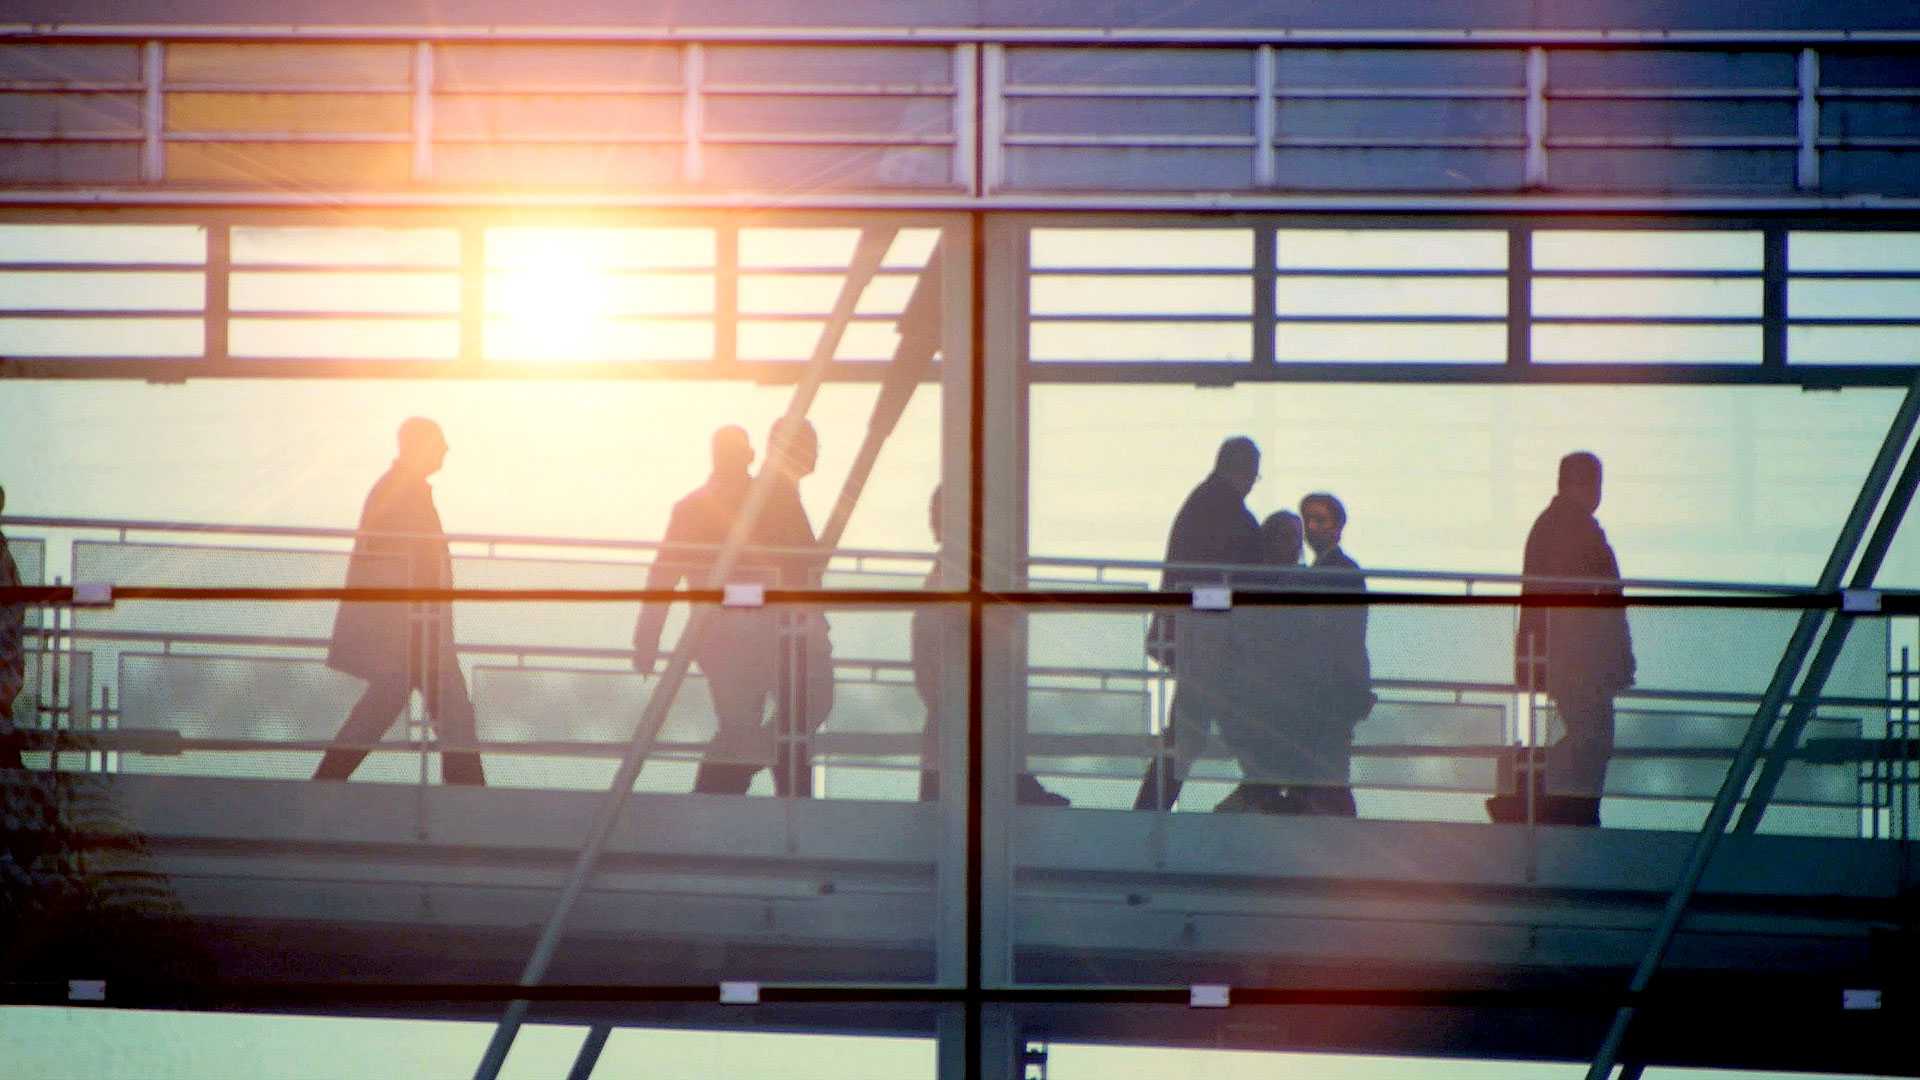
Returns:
(552, 305)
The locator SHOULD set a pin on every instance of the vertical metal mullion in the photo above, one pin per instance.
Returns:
(693, 111)
(1773, 297)
(473, 294)
(1807, 173)
(1266, 258)
(966, 118)
(992, 124)
(1519, 297)
(216, 304)
(423, 111)
(153, 118)
(1265, 118)
(726, 297)
(1535, 169)
(976, 642)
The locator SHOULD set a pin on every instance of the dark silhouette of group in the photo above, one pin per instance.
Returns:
(1284, 685)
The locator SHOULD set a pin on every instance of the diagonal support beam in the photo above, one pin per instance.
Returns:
(1899, 433)
(867, 255)
(1871, 559)
(589, 1056)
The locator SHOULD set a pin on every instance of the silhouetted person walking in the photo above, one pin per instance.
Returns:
(748, 655)
(1212, 526)
(1581, 657)
(934, 631)
(13, 657)
(1271, 650)
(1340, 690)
(402, 647)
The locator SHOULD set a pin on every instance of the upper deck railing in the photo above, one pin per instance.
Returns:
(870, 117)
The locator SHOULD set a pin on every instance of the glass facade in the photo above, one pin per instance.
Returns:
(931, 703)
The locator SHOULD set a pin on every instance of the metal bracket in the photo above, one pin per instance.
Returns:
(92, 594)
(1212, 598)
(744, 594)
(1208, 996)
(96, 990)
(1860, 601)
(739, 993)
(1856, 1000)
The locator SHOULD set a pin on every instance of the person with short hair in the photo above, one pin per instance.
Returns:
(1271, 648)
(1213, 527)
(402, 647)
(1581, 657)
(1339, 693)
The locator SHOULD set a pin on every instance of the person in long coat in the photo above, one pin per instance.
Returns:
(400, 647)
(13, 660)
(1213, 526)
(1581, 657)
(750, 655)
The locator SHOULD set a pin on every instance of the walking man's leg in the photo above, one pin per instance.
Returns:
(372, 715)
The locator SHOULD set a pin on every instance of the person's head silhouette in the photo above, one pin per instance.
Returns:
(1238, 463)
(732, 451)
(1580, 479)
(1281, 538)
(793, 448)
(423, 448)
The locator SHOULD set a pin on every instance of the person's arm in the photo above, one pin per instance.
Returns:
(671, 567)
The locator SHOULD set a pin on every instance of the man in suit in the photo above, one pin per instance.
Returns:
(1339, 693)
(1213, 526)
(1581, 657)
(748, 656)
(402, 647)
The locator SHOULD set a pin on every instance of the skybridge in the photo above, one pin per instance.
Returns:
(1022, 270)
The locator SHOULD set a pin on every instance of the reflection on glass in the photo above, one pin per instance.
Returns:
(1399, 249)
(101, 291)
(1584, 249)
(1230, 249)
(102, 337)
(301, 245)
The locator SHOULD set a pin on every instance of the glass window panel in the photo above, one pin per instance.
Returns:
(1390, 296)
(1646, 344)
(796, 340)
(816, 294)
(1391, 343)
(544, 249)
(1066, 294)
(1651, 297)
(347, 339)
(1899, 251)
(1853, 344)
(341, 292)
(128, 291)
(794, 248)
(1828, 299)
(1396, 249)
(1230, 249)
(586, 294)
(598, 340)
(270, 245)
(104, 243)
(101, 337)
(1097, 341)
(1582, 249)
